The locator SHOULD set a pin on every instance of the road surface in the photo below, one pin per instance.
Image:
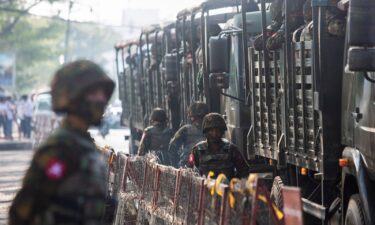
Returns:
(13, 165)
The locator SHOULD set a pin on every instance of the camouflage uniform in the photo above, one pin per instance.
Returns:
(227, 159)
(295, 21)
(188, 135)
(335, 22)
(156, 137)
(276, 16)
(336, 25)
(304, 33)
(66, 182)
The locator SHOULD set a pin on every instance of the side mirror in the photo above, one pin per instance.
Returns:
(361, 23)
(361, 59)
(219, 62)
(219, 54)
(170, 61)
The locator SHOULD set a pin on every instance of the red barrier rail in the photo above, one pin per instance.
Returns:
(156, 194)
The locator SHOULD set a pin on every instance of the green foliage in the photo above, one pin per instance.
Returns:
(39, 43)
(92, 42)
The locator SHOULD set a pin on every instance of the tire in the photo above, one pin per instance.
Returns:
(276, 192)
(355, 214)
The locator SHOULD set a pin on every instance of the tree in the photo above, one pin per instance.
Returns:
(18, 9)
(39, 43)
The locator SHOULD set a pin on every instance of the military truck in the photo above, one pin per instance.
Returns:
(130, 89)
(311, 104)
(159, 74)
(143, 79)
(304, 108)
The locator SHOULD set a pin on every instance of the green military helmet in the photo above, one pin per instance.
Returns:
(213, 120)
(198, 109)
(159, 115)
(72, 80)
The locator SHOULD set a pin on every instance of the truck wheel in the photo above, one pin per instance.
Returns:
(276, 193)
(354, 213)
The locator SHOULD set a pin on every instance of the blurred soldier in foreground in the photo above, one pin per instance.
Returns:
(66, 182)
(188, 135)
(216, 153)
(157, 136)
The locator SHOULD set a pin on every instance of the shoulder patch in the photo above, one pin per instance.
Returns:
(55, 169)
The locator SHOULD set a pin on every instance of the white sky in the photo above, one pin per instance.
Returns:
(110, 11)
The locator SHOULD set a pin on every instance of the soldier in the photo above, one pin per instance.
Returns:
(188, 135)
(335, 22)
(276, 16)
(304, 33)
(157, 136)
(296, 19)
(66, 182)
(216, 153)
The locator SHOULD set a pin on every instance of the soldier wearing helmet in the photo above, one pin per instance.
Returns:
(217, 154)
(188, 135)
(157, 136)
(66, 182)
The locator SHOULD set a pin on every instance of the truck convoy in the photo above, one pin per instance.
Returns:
(294, 80)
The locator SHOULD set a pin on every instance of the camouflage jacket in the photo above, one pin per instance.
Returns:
(65, 184)
(228, 160)
(186, 137)
(156, 138)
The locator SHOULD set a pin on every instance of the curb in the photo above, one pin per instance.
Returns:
(13, 145)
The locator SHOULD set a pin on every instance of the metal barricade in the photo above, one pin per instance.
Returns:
(153, 194)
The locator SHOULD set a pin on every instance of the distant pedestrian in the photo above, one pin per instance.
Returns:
(10, 112)
(20, 105)
(25, 113)
(3, 113)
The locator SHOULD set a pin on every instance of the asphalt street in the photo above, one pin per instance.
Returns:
(13, 165)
